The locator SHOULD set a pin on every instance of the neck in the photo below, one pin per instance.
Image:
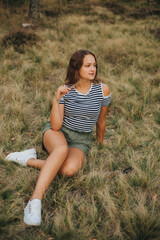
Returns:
(83, 86)
(83, 83)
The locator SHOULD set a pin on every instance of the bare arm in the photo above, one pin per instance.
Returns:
(101, 123)
(57, 112)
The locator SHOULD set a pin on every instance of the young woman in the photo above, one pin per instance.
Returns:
(77, 106)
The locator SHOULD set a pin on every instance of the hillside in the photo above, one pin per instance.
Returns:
(103, 201)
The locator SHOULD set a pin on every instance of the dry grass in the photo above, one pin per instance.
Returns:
(100, 202)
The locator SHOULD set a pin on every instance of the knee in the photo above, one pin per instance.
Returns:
(69, 171)
(63, 150)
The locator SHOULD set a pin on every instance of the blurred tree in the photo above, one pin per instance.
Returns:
(34, 9)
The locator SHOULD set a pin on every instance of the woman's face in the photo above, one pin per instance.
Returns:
(88, 69)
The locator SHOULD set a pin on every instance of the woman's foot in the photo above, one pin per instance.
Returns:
(22, 157)
(32, 213)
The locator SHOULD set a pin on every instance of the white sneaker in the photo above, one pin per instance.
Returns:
(22, 157)
(32, 213)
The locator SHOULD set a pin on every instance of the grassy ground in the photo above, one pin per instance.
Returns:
(101, 202)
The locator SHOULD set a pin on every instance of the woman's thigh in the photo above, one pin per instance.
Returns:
(53, 139)
(73, 162)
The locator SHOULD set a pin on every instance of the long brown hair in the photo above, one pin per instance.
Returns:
(76, 62)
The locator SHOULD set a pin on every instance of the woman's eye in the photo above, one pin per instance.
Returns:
(90, 65)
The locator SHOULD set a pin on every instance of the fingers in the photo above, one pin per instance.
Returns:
(65, 90)
(61, 91)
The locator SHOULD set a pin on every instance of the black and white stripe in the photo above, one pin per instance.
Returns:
(81, 111)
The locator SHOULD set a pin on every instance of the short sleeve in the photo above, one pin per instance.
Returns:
(106, 101)
(61, 101)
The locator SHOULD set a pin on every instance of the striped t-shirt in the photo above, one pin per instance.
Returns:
(81, 111)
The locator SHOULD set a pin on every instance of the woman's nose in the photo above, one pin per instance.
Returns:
(92, 67)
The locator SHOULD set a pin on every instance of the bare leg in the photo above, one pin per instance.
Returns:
(61, 160)
(36, 163)
(56, 145)
(73, 162)
(71, 165)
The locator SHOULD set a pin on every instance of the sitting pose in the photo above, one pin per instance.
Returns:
(77, 106)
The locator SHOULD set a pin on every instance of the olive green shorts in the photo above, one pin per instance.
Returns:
(74, 139)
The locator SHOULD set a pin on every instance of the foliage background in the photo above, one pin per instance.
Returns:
(100, 202)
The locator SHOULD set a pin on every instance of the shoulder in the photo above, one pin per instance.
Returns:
(106, 90)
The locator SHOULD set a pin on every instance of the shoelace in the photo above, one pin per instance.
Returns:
(30, 208)
(19, 160)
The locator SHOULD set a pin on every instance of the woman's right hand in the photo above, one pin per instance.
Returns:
(61, 91)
